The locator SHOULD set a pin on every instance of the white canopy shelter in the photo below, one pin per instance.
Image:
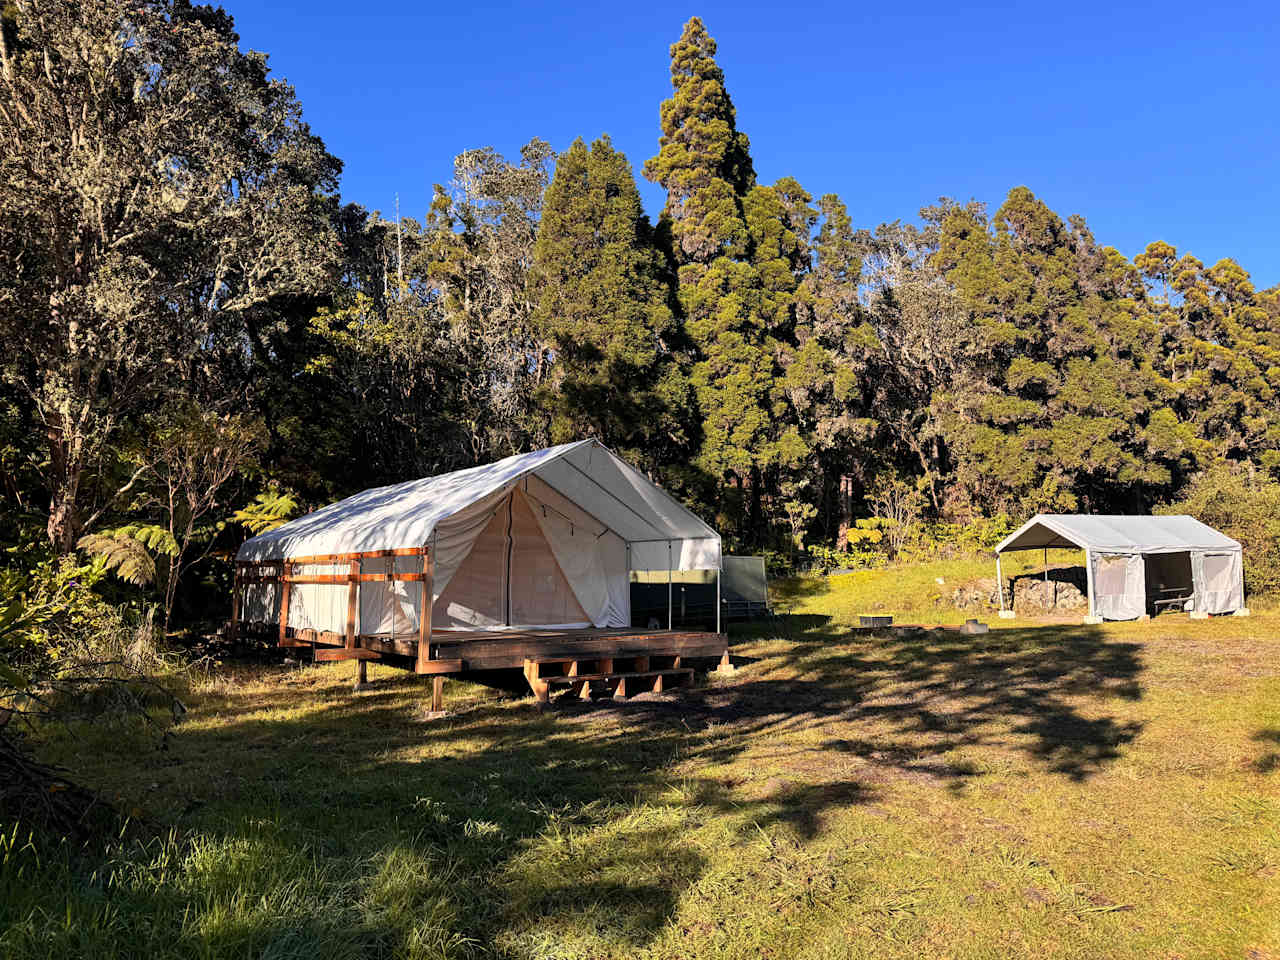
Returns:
(543, 539)
(1138, 563)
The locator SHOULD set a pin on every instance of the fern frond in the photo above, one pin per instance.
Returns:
(127, 557)
(150, 535)
(267, 511)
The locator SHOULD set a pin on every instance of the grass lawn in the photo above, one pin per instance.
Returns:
(1040, 791)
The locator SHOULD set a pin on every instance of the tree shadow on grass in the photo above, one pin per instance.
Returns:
(1047, 691)
(1269, 761)
(516, 829)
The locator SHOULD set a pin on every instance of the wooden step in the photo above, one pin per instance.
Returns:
(566, 679)
(624, 683)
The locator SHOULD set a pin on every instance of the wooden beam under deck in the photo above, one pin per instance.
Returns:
(463, 651)
(346, 653)
(498, 650)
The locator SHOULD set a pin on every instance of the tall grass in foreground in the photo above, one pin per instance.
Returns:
(251, 895)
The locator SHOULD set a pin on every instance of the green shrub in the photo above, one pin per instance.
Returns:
(47, 609)
(1245, 506)
(828, 558)
(943, 540)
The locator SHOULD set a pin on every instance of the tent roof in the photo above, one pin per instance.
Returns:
(1116, 534)
(586, 473)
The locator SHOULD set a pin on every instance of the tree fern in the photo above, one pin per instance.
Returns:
(128, 550)
(267, 511)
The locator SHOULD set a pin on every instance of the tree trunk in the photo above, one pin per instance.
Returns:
(844, 496)
(65, 467)
(756, 521)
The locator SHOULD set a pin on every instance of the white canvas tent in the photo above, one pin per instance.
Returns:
(1134, 563)
(544, 539)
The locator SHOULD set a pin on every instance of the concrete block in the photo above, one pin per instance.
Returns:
(1007, 614)
(1199, 615)
(1091, 620)
(1242, 612)
(973, 626)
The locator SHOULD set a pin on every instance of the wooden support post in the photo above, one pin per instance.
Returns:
(437, 694)
(353, 603)
(541, 689)
(657, 684)
(424, 610)
(285, 569)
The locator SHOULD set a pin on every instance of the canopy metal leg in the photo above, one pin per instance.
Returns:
(668, 584)
(1088, 576)
(999, 583)
(717, 599)
(1046, 578)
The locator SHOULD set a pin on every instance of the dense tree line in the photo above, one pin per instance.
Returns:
(199, 336)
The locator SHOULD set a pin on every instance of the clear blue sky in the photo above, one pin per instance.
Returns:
(1154, 120)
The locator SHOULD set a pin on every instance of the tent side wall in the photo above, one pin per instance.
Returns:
(1119, 585)
(1218, 579)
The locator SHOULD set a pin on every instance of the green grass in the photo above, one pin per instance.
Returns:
(913, 594)
(1040, 791)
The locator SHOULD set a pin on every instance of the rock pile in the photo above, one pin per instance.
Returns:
(1064, 593)
(977, 594)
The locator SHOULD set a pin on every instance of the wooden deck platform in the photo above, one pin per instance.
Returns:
(502, 650)
(461, 653)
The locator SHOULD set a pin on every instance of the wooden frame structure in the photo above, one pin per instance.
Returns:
(441, 653)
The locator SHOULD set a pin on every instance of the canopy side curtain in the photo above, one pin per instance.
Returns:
(1218, 576)
(1119, 585)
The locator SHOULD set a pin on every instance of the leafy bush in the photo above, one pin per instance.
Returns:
(63, 647)
(941, 540)
(66, 654)
(48, 609)
(1245, 506)
(827, 558)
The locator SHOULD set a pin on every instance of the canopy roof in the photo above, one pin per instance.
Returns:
(586, 473)
(1116, 534)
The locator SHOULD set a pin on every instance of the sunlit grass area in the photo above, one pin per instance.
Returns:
(919, 593)
(1039, 791)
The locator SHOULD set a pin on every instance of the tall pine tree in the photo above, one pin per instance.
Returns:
(603, 295)
(740, 250)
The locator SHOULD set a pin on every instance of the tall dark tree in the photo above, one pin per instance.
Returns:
(740, 250)
(1057, 406)
(603, 307)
